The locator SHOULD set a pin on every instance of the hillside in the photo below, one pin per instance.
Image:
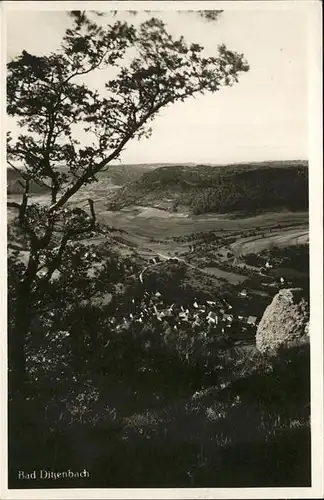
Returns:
(180, 282)
(204, 188)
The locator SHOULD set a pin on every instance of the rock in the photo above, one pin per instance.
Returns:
(285, 322)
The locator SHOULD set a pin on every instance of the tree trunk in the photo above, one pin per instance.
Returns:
(16, 347)
(20, 326)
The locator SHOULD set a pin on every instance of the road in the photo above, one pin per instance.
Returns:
(179, 259)
(246, 245)
(165, 257)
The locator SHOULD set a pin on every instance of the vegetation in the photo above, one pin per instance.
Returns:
(177, 281)
(296, 257)
(223, 426)
(246, 188)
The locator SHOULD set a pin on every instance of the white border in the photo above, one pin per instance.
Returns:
(156, 5)
(313, 10)
(315, 147)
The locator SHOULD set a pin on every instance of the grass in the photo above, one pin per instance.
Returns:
(233, 278)
(236, 432)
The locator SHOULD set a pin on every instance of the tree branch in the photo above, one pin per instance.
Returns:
(13, 204)
(66, 237)
(94, 170)
(86, 71)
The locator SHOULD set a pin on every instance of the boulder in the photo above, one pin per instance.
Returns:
(285, 322)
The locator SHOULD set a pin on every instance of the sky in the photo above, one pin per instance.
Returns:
(263, 117)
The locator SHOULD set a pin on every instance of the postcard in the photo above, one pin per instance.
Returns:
(162, 250)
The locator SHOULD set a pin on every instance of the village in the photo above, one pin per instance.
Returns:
(233, 315)
(208, 317)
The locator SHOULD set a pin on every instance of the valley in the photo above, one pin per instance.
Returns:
(213, 242)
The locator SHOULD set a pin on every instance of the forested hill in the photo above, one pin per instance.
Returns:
(202, 188)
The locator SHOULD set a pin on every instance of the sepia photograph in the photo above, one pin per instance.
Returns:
(160, 262)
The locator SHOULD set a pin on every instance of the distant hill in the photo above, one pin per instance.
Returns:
(122, 174)
(115, 175)
(14, 186)
(235, 187)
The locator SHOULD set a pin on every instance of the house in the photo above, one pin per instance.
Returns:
(166, 313)
(212, 318)
(228, 317)
(184, 316)
(226, 304)
(252, 320)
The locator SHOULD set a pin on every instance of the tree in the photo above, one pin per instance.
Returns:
(51, 104)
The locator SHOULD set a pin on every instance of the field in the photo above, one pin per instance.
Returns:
(159, 232)
(233, 278)
(153, 223)
(152, 231)
(283, 238)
